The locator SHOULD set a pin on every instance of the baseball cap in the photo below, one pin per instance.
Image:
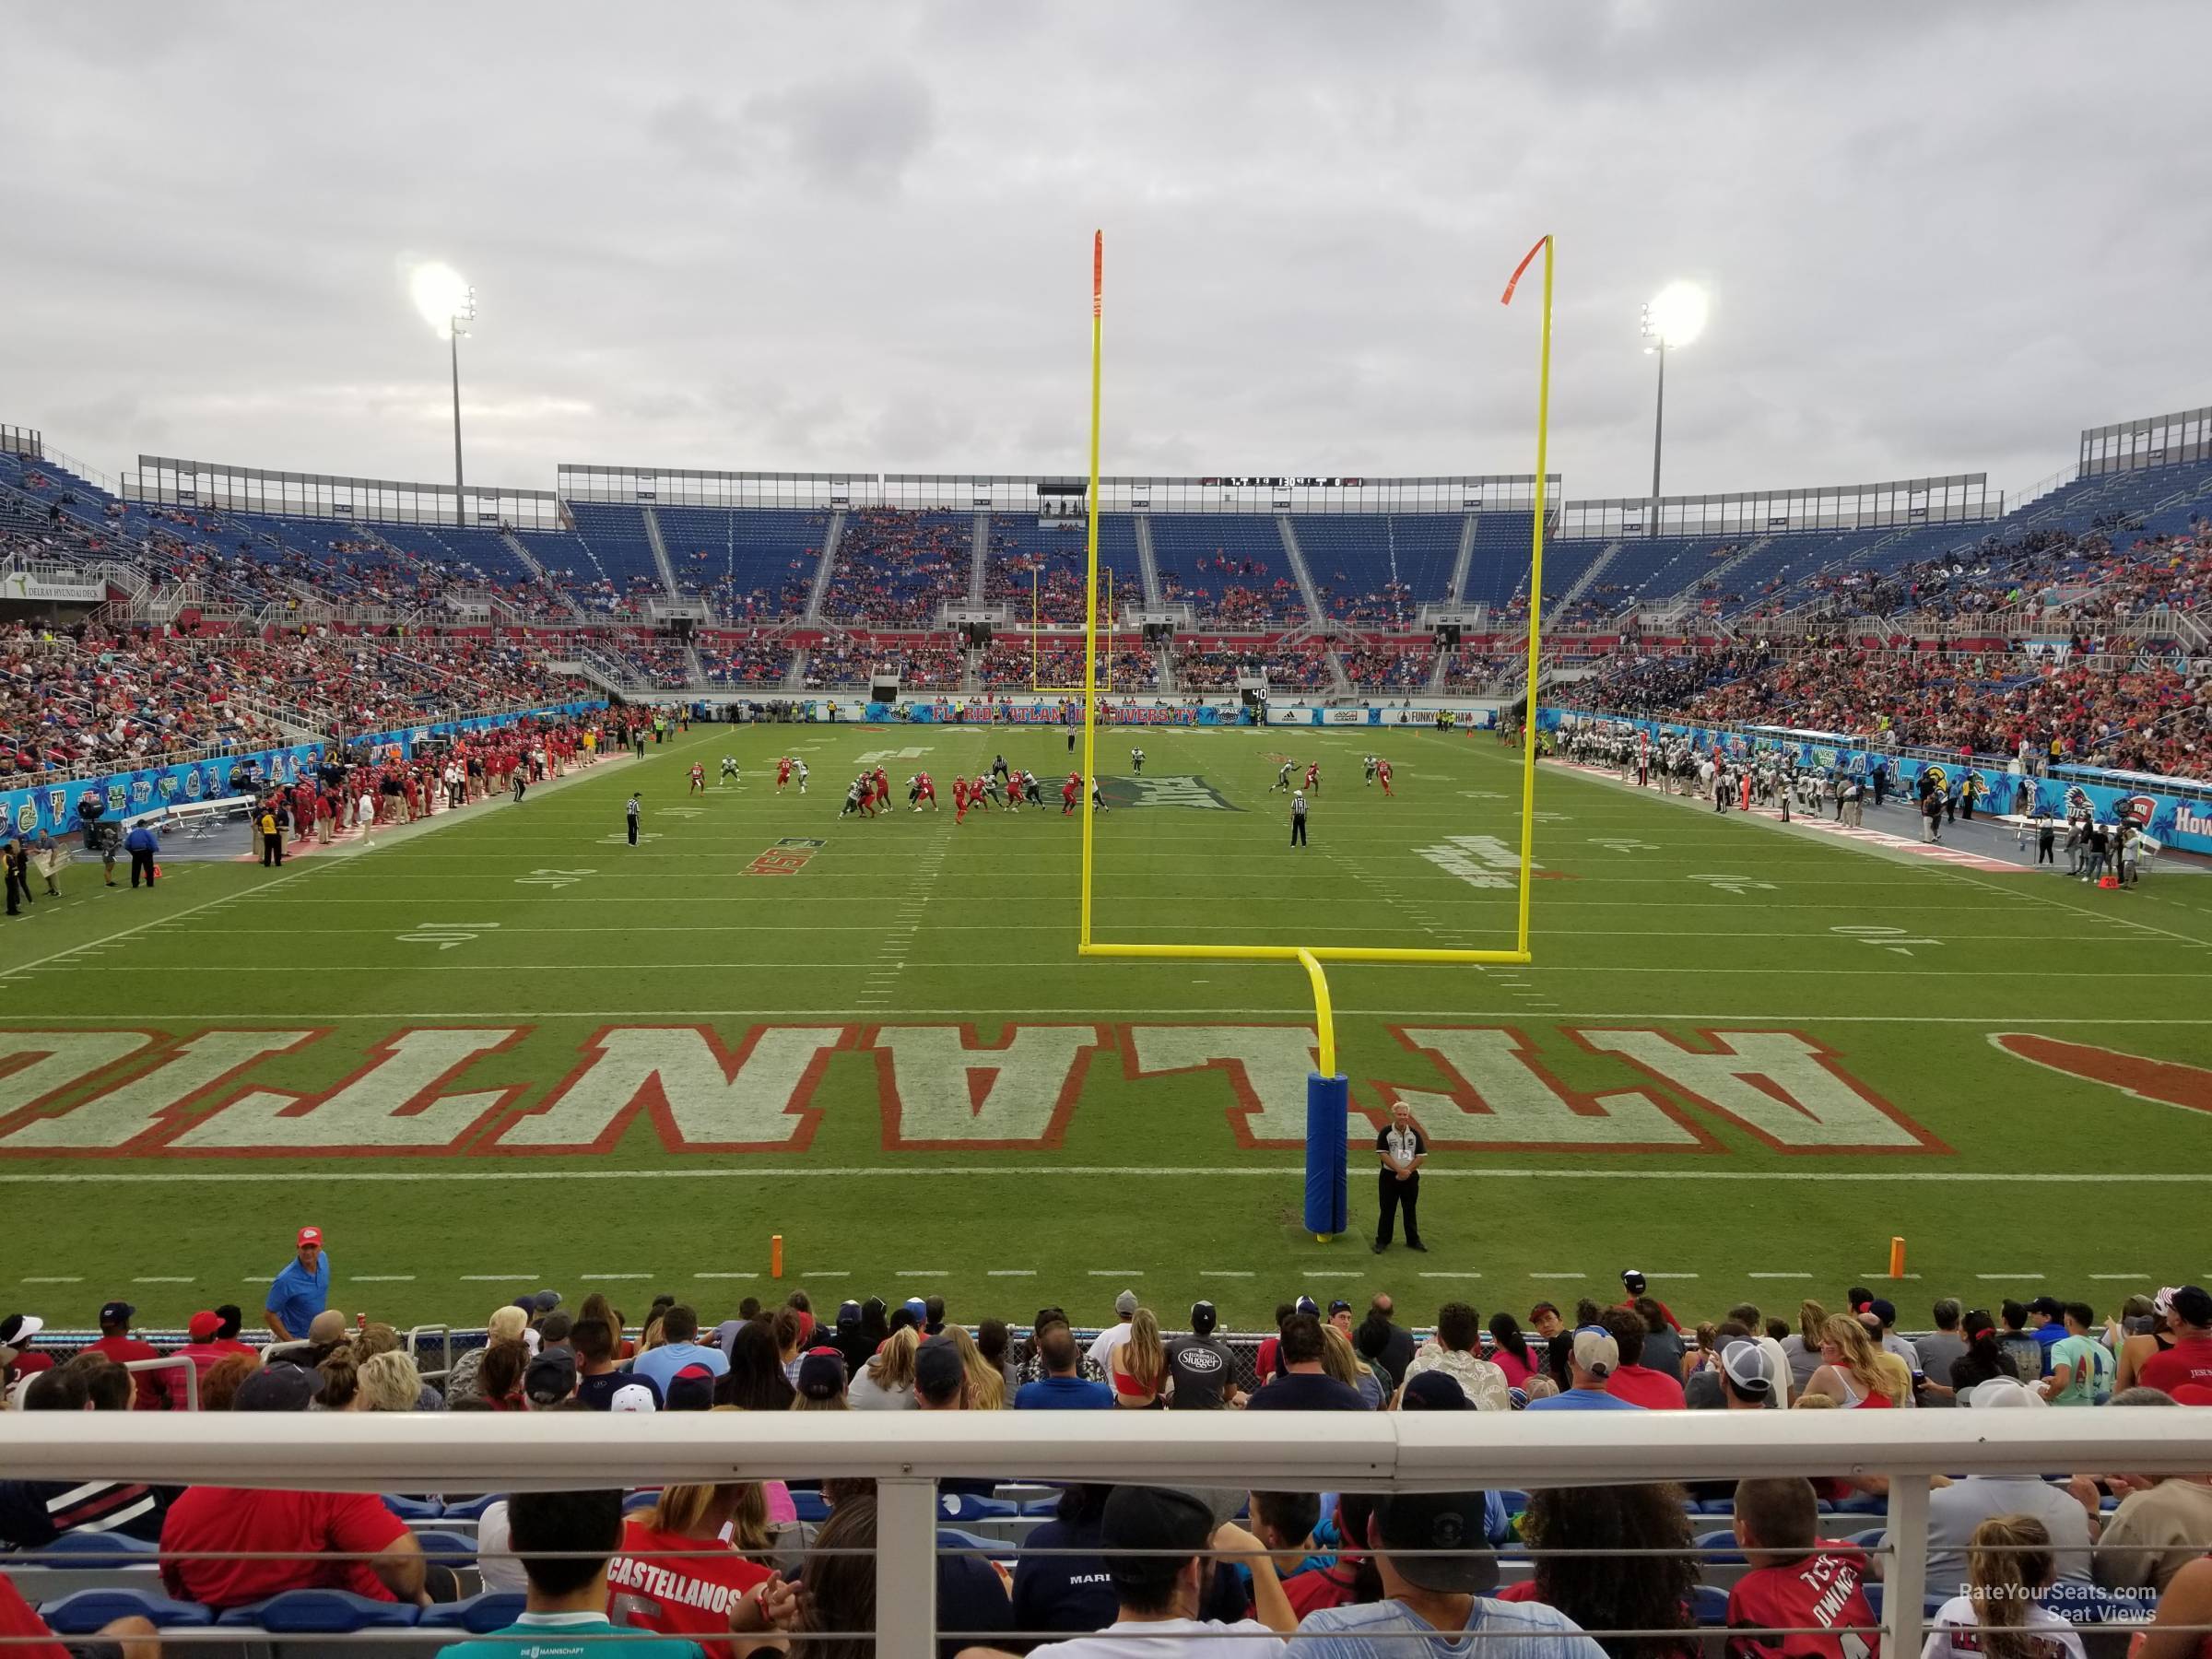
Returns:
(309, 1235)
(544, 1302)
(1306, 1304)
(1202, 1319)
(326, 1326)
(631, 1396)
(848, 1313)
(1541, 1309)
(233, 1321)
(1340, 1306)
(203, 1326)
(692, 1389)
(822, 1374)
(938, 1369)
(1750, 1368)
(2049, 1307)
(1167, 1526)
(2003, 1390)
(278, 1387)
(1434, 1391)
(1596, 1351)
(116, 1312)
(1424, 1520)
(917, 1307)
(1632, 1281)
(551, 1377)
(1125, 1303)
(1884, 1310)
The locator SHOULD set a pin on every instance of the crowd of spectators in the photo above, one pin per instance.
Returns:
(896, 568)
(747, 659)
(2147, 717)
(1619, 1557)
(1389, 668)
(85, 699)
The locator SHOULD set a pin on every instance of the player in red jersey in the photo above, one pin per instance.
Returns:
(699, 777)
(1313, 778)
(923, 790)
(978, 795)
(782, 772)
(1383, 776)
(959, 799)
(883, 789)
(1070, 793)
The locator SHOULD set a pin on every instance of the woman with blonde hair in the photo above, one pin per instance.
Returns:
(1139, 1367)
(1854, 1373)
(2010, 1564)
(886, 1382)
(1341, 1361)
(506, 1325)
(987, 1383)
(676, 1574)
(388, 1382)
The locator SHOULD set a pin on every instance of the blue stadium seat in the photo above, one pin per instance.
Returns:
(413, 1509)
(94, 1549)
(1719, 1548)
(88, 1611)
(967, 1506)
(1710, 1603)
(952, 1537)
(639, 1502)
(468, 1509)
(478, 1615)
(321, 1613)
(810, 1505)
(455, 1549)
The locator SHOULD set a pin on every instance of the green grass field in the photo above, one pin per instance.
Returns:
(513, 1052)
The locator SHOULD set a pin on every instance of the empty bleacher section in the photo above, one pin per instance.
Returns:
(1500, 567)
(1231, 567)
(618, 547)
(751, 564)
(1378, 568)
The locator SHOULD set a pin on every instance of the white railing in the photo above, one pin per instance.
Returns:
(906, 1455)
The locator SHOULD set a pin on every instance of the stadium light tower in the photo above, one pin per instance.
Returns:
(1673, 317)
(448, 304)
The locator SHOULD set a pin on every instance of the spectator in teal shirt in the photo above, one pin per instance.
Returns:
(2081, 1366)
(565, 1540)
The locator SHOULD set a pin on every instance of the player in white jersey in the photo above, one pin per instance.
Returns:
(729, 770)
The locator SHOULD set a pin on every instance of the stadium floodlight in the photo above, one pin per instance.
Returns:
(1327, 1088)
(1672, 318)
(448, 305)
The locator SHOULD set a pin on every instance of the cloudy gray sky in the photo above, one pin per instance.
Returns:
(1937, 238)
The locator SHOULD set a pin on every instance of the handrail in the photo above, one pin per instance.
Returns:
(1409, 1451)
(172, 1362)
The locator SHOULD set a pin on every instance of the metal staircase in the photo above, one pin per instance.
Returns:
(1297, 555)
(660, 554)
(1464, 560)
(1145, 560)
(979, 560)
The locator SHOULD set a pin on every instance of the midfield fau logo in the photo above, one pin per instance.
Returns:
(1165, 792)
(933, 1088)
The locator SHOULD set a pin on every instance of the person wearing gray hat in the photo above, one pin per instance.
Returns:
(1113, 1336)
(1431, 1551)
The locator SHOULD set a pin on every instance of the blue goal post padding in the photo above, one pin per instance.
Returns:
(1328, 1102)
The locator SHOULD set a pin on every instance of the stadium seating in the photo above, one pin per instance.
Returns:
(895, 567)
(1377, 569)
(1231, 567)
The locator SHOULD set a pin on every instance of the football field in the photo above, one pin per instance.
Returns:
(507, 1050)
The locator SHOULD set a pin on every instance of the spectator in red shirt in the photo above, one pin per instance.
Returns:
(213, 1335)
(1792, 1585)
(679, 1572)
(18, 1360)
(1631, 1381)
(117, 1343)
(1352, 1576)
(326, 1528)
(2190, 1358)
